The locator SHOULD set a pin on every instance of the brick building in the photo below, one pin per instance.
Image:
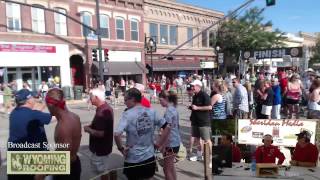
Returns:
(39, 45)
(173, 23)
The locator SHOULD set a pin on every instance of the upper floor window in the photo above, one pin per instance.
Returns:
(104, 26)
(120, 28)
(134, 30)
(86, 19)
(13, 17)
(38, 23)
(153, 29)
(212, 38)
(173, 35)
(163, 34)
(189, 36)
(60, 22)
(205, 39)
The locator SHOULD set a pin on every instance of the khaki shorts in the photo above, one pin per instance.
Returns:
(201, 132)
(99, 164)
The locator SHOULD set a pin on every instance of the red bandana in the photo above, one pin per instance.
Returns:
(61, 104)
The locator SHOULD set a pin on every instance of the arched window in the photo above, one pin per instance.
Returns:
(38, 21)
(60, 22)
(86, 18)
(134, 30)
(104, 25)
(120, 28)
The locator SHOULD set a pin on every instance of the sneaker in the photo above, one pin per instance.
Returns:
(200, 158)
(192, 157)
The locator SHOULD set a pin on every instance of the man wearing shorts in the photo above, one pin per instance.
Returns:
(139, 124)
(200, 117)
(67, 131)
(101, 133)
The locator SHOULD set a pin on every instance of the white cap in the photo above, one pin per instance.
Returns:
(197, 83)
(309, 70)
(140, 87)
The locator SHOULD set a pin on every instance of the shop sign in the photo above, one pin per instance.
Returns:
(27, 48)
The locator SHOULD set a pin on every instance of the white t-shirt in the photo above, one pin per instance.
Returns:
(139, 123)
(171, 116)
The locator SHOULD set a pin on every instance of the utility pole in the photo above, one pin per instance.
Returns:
(98, 33)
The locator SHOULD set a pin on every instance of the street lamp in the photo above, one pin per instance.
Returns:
(151, 47)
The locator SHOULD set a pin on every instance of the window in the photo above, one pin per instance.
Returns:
(134, 30)
(120, 28)
(60, 22)
(163, 34)
(86, 19)
(38, 24)
(173, 35)
(154, 31)
(104, 26)
(13, 17)
(212, 39)
(189, 36)
(205, 39)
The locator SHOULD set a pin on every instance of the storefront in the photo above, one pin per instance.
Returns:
(33, 63)
(125, 64)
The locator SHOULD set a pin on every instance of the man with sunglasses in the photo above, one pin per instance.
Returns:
(305, 153)
(139, 124)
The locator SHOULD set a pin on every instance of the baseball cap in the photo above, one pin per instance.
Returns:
(24, 94)
(304, 134)
(197, 83)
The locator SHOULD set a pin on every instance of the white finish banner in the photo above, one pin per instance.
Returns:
(251, 131)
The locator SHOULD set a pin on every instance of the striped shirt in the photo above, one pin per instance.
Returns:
(219, 108)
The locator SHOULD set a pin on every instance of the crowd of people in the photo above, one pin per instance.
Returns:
(271, 96)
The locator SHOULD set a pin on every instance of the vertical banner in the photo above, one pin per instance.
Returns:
(251, 131)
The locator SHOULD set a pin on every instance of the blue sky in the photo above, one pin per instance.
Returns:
(287, 15)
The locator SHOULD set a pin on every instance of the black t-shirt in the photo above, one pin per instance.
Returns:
(269, 100)
(200, 118)
(103, 121)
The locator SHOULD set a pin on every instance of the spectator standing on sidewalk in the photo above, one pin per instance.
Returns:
(267, 103)
(43, 89)
(101, 133)
(109, 87)
(314, 100)
(276, 108)
(240, 100)
(200, 118)
(7, 98)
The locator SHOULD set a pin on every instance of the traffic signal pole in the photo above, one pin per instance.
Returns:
(98, 33)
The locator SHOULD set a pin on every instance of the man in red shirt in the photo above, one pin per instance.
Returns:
(226, 140)
(144, 101)
(305, 153)
(268, 153)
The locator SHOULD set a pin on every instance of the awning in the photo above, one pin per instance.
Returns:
(176, 65)
(120, 68)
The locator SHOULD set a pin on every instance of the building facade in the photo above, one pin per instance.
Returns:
(171, 24)
(39, 45)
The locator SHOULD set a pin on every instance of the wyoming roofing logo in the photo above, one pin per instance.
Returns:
(38, 162)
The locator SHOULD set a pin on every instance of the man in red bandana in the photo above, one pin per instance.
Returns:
(67, 132)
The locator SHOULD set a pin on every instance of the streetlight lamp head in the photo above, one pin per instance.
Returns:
(151, 42)
(218, 48)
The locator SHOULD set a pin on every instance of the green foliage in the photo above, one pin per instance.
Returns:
(316, 53)
(248, 32)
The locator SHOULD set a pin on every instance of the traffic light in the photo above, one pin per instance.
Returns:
(106, 54)
(94, 55)
(150, 69)
(271, 2)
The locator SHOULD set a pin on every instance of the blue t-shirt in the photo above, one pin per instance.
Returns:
(276, 95)
(27, 126)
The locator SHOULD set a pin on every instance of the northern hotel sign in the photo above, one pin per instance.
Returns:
(273, 53)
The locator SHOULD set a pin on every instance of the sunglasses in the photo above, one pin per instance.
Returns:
(233, 82)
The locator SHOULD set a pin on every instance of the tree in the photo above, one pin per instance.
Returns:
(247, 32)
(316, 53)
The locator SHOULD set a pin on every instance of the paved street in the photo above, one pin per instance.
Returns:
(185, 169)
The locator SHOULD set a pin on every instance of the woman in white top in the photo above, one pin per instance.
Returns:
(314, 97)
(169, 100)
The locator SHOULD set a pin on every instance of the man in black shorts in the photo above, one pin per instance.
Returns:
(200, 117)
